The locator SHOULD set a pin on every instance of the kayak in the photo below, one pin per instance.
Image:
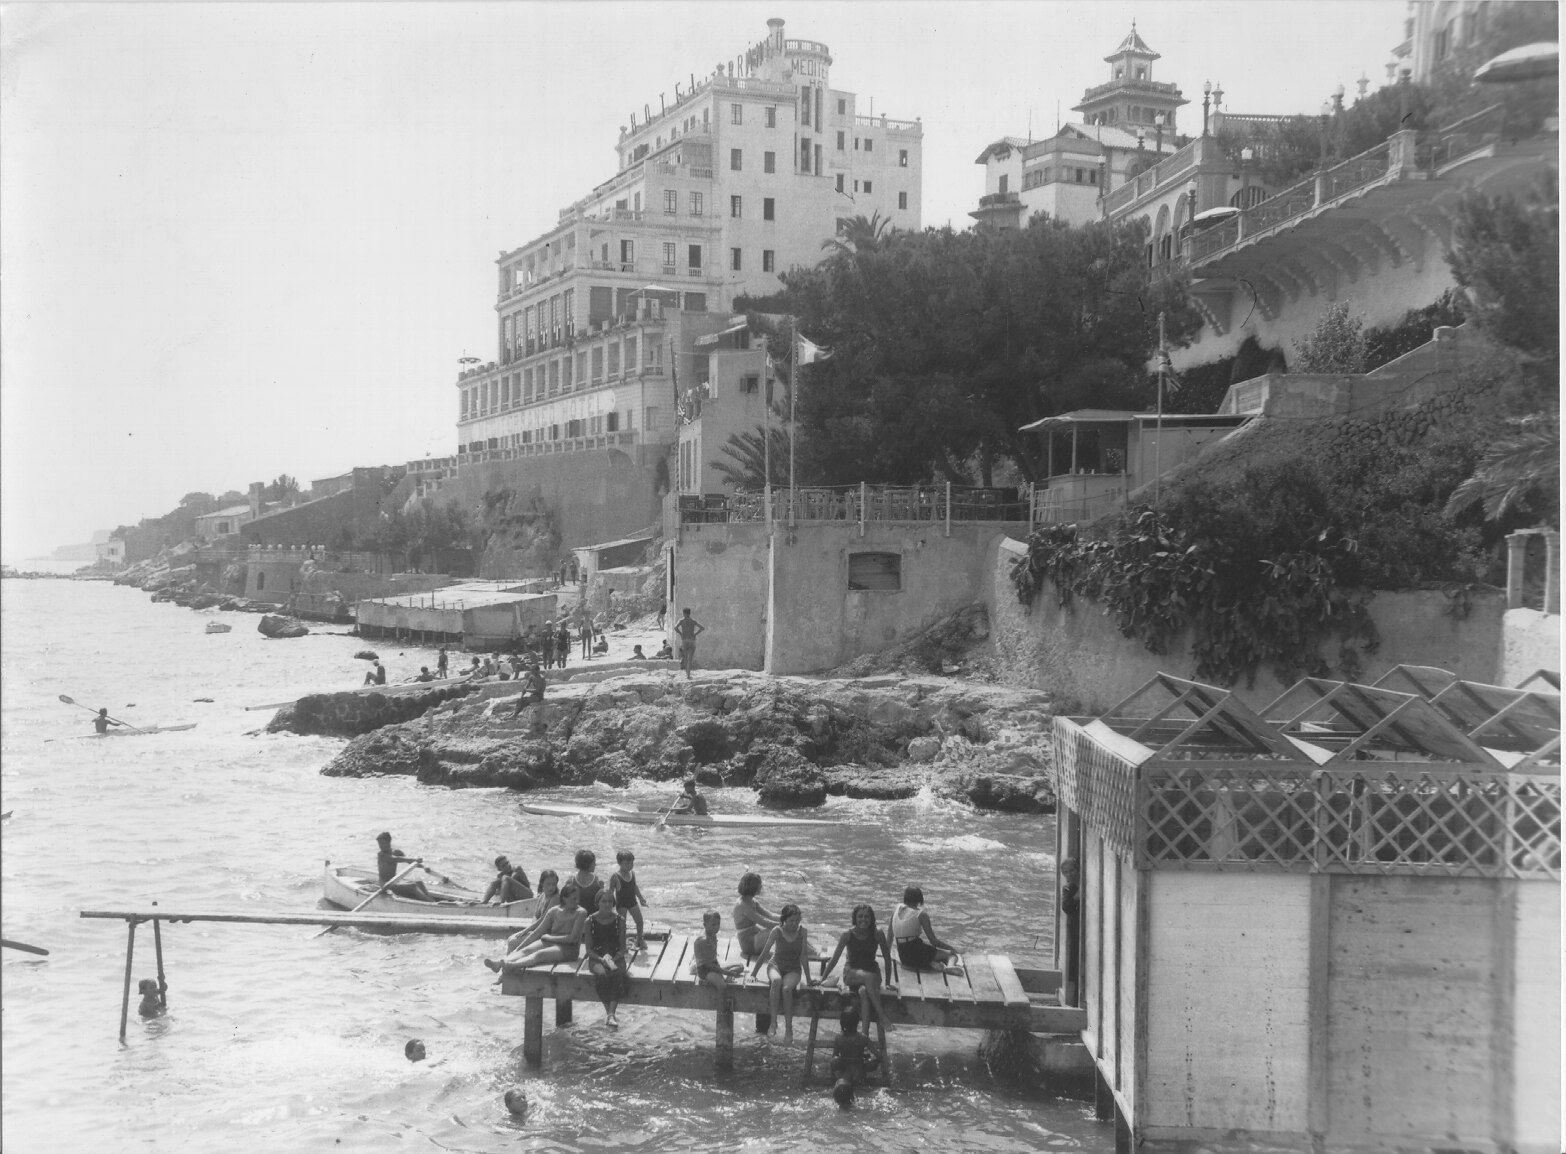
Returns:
(655, 815)
(347, 886)
(140, 730)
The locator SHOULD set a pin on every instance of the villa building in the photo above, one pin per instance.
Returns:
(742, 176)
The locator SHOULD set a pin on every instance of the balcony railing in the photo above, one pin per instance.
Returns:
(990, 199)
(543, 448)
(1177, 164)
(889, 124)
(1150, 87)
(857, 503)
(1318, 190)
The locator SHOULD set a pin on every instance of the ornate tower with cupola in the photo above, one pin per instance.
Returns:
(1132, 98)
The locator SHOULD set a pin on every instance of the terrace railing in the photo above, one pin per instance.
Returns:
(857, 503)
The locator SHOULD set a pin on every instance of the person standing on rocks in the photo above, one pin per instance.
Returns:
(549, 644)
(563, 643)
(688, 627)
(442, 662)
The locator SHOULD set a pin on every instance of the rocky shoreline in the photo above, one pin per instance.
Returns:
(794, 740)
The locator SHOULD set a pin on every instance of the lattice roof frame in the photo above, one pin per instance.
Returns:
(1370, 718)
(1212, 707)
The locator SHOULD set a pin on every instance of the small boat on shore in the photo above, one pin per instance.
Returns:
(140, 731)
(219, 627)
(347, 886)
(654, 813)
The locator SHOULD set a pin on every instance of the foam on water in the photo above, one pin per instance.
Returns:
(280, 1040)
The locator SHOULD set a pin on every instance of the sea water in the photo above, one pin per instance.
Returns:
(277, 1039)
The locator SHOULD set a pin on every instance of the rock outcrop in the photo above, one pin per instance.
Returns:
(274, 626)
(794, 740)
(354, 713)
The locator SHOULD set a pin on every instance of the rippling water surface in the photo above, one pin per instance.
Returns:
(280, 1040)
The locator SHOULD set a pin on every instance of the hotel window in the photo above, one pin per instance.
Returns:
(856, 144)
(842, 107)
(840, 182)
(902, 158)
(612, 421)
(630, 354)
(750, 383)
(581, 369)
(734, 259)
(627, 255)
(598, 364)
(869, 144)
(671, 201)
(804, 106)
(767, 260)
(1092, 176)
(769, 162)
(902, 200)
(614, 359)
(867, 186)
(693, 256)
(768, 208)
(736, 114)
(736, 159)
(695, 204)
(669, 257)
(804, 156)
(527, 386)
(554, 432)
(772, 116)
(819, 168)
(554, 378)
(735, 206)
(1005, 183)
(565, 375)
(841, 140)
(568, 309)
(655, 356)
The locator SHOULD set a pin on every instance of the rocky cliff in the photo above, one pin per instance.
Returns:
(794, 740)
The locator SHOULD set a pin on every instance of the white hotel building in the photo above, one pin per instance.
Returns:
(742, 177)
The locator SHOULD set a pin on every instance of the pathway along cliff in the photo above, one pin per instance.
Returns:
(795, 740)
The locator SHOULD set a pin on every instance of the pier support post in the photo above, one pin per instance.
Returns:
(533, 1030)
(725, 1048)
(1103, 1097)
(810, 1045)
(562, 1011)
(130, 952)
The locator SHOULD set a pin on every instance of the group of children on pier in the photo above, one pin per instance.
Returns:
(586, 918)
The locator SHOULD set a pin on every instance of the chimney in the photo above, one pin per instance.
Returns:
(775, 31)
(255, 498)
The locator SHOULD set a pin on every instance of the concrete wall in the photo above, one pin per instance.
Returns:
(1530, 641)
(721, 575)
(817, 622)
(1079, 655)
(271, 581)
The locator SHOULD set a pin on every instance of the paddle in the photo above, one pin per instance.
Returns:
(393, 880)
(90, 709)
(24, 947)
(663, 818)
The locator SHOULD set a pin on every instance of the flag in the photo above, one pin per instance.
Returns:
(810, 352)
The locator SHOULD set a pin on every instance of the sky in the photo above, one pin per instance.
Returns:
(238, 240)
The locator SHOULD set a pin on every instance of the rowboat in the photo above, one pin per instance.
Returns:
(127, 731)
(347, 886)
(654, 813)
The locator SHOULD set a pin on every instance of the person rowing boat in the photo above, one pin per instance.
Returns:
(102, 722)
(387, 864)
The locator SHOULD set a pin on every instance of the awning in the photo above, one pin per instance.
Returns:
(1082, 417)
(735, 325)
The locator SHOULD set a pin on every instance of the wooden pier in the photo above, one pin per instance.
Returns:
(991, 994)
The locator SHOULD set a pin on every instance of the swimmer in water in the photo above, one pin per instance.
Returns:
(151, 999)
(414, 1050)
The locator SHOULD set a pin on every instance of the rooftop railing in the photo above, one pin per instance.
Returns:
(1177, 164)
(857, 503)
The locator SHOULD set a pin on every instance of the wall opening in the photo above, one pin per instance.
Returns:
(881, 572)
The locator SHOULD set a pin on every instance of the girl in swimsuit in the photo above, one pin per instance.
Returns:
(751, 921)
(859, 972)
(910, 920)
(628, 895)
(606, 955)
(586, 880)
(556, 938)
(789, 947)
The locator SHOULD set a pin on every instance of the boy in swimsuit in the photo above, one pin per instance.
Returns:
(705, 953)
(853, 1056)
(627, 894)
(788, 946)
(859, 972)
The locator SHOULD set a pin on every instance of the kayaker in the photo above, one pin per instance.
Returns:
(690, 801)
(389, 861)
(102, 722)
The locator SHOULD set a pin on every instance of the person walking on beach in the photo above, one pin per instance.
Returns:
(688, 627)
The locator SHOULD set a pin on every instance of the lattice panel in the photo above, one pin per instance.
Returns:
(1387, 820)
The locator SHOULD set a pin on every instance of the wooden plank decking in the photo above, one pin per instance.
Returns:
(989, 995)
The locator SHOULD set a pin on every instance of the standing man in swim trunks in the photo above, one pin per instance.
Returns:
(688, 627)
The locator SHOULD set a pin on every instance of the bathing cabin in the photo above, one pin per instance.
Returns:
(1332, 923)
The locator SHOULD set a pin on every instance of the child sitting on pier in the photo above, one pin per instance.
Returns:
(627, 894)
(788, 946)
(853, 1056)
(909, 921)
(859, 972)
(557, 937)
(704, 950)
(751, 920)
(606, 955)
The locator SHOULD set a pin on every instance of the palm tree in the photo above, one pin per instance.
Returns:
(1520, 462)
(747, 468)
(859, 234)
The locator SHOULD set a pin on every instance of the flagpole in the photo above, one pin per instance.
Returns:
(793, 390)
(1158, 441)
(766, 435)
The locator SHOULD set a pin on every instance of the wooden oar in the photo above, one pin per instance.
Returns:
(393, 880)
(24, 947)
(94, 712)
(663, 818)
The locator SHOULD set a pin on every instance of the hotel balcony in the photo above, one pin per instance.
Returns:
(999, 209)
